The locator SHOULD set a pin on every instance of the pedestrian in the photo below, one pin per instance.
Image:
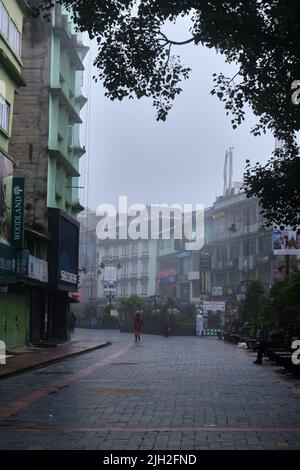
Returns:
(166, 327)
(276, 340)
(73, 320)
(199, 324)
(138, 323)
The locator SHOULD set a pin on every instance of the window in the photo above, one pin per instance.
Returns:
(9, 30)
(4, 115)
(134, 288)
(134, 267)
(71, 136)
(14, 38)
(144, 288)
(4, 20)
(145, 267)
(134, 249)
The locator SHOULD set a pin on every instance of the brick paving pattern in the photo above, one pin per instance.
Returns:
(163, 394)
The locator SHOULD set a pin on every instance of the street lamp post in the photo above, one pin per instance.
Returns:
(110, 261)
(154, 297)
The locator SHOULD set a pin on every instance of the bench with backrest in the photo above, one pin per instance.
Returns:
(285, 360)
(227, 331)
(260, 335)
(237, 335)
(282, 356)
(273, 352)
(231, 332)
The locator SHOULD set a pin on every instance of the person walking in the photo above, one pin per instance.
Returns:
(138, 323)
(199, 324)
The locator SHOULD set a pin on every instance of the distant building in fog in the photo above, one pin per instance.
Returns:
(138, 259)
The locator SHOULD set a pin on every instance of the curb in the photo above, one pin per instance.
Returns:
(53, 361)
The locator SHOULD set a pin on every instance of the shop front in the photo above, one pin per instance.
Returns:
(63, 259)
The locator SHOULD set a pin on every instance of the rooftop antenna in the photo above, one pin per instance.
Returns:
(225, 174)
(230, 186)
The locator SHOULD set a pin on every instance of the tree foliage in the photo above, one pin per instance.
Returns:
(136, 59)
(282, 303)
(251, 305)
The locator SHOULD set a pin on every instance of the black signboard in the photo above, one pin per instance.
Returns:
(63, 251)
(205, 261)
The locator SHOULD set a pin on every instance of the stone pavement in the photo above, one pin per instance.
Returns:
(163, 394)
(21, 359)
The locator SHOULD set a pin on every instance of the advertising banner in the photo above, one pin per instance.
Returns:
(69, 253)
(211, 306)
(205, 261)
(32, 267)
(217, 291)
(286, 242)
(63, 251)
(110, 278)
(6, 181)
(8, 264)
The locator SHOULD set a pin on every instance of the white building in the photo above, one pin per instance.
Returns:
(138, 260)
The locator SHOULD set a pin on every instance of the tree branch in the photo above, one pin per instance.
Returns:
(177, 43)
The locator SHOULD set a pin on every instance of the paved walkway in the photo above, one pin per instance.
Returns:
(162, 393)
(21, 359)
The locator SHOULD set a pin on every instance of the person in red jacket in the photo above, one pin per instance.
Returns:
(138, 323)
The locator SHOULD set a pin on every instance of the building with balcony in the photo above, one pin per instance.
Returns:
(240, 247)
(47, 149)
(14, 313)
(138, 260)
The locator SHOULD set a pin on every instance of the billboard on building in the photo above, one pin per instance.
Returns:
(6, 181)
(110, 279)
(286, 242)
(211, 306)
(63, 251)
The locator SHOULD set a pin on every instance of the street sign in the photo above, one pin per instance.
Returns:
(212, 306)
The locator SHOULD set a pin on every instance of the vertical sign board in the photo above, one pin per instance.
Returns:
(17, 221)
(6, 177)
(63, 251)
(110, 279)
(8, 264)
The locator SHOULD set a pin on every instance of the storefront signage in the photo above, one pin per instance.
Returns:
(63, 251)
(8, 264)
(210, 306)
(17, 221)
(165, 273)
(32, 267)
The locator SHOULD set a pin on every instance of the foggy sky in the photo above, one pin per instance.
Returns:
(179, 161)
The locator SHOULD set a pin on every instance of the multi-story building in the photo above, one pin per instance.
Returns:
(137, 273)
(46, 145)
(14, 317)
(240, 248)
(89, 267)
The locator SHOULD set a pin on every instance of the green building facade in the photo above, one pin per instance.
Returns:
(45, 142)
(14, 311)
(66, 102)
